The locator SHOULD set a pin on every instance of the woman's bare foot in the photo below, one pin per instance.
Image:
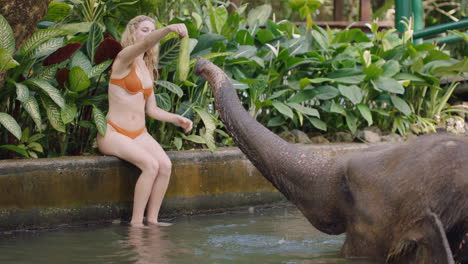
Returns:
(158, 223)
(139, 225)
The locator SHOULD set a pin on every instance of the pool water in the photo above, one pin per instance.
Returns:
(275, 235)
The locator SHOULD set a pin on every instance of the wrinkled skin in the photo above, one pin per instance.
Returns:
(405, 203)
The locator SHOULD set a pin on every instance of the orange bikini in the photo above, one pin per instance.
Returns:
(132, 84)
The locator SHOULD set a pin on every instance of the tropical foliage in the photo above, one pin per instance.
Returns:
(287, 77)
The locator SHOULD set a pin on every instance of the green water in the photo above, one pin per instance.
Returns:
(280, 235)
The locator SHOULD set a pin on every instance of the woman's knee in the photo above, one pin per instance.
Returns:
(150, 168)
(165, 166)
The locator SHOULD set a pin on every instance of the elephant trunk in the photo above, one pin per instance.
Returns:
(307, 180)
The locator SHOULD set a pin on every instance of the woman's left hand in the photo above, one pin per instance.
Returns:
(184, 123)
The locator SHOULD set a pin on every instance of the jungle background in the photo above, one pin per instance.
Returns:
(307, 83)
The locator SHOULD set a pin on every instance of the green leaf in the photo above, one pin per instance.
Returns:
(283, 109)
(6, 60)
(244, 51)
(351, 121)
(276, 121)
(32, 107)
(366, 113)
(51, 91)
(195, 138)
(304, 110)
(79, 80)
(373, 71)
(319, 124)
(35, 137)
(15, 149)
(356, 79)
(177, 141)
(169, 52)
(243, 37)
(326, 92)
(95, 37)
(391, 68)
(260, 14)
(99, 120)
(98, 69)
(7, 38)
(53, 114)
(163, 100)
(57, 11)
(210, 126)
(265, 36)
(68, 113)
(47, 73)
(218, 18)
(409, 77)
(321, 41)
(10, 124)
(39, 37)
(74, 28)
(388, 84)
(46, 48)
(36, 147)
(353, 93)
(171, 87)
(22, 92)
(337, 108)
(401, 105)
(79, 59)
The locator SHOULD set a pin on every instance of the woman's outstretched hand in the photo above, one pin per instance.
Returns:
(184, 123)
(180, 29)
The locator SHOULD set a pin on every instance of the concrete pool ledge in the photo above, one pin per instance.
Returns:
(45, 193)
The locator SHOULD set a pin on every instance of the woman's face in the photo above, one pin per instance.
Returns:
(144, 29)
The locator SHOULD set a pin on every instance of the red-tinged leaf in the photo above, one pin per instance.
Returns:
(62, 54)
(62, 77)
(107, 50)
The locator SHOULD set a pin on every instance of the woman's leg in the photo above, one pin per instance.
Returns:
(116, 144)
(162, 178)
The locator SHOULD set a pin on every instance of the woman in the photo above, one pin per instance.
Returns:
(130, 97)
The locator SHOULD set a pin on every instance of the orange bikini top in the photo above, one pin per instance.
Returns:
(132, 83)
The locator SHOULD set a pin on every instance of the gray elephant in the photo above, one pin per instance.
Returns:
(405, 203)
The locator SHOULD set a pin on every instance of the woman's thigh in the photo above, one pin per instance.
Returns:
(121, 146)
(147, 142)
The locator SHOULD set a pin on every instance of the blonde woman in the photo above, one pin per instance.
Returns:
(131, 96)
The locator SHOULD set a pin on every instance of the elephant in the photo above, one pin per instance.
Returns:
(397, 203)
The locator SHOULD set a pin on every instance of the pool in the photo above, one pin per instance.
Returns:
(275, 235)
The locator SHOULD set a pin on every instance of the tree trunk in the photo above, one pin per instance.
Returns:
(23, 16)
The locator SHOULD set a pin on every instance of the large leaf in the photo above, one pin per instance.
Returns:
(7, 38)
(95, 37)
(51, 91)
(391, 68)
(163, 100)
(32, 107)
(171, 87)
(351, 121)
(74, 28)
(99, 120)
(53, 114)
(356, 79)
(79, 80)
(296, 46)
(39, 37)
(388, 84)
(169, 52)
(259, 14)
(47, 73)
(218, 18)
(16, 149)
(57, 11)
(22, 92)
(98, 69)
(243, 37)
(366, 113)
(353, 93)
(210, 126)
(6, 60)
(317, 123)
(80, 59)
(283, 109)
(244, 51)
(206, 41)
(10, 124)
(68, 113)
(304, 110)
(46, 48)
(265, 36)
(401, 105)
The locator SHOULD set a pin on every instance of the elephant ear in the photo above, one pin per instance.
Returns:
(423, 242)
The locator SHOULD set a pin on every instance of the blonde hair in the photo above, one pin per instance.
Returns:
(129, 38)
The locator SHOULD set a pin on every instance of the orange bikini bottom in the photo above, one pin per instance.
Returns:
(130, 134)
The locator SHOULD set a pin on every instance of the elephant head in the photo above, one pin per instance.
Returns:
(404, 203)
